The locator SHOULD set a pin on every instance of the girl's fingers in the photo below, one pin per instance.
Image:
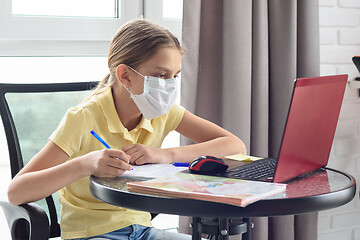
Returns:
(140, 161)
(114, 153)
(135, 157)
(129, 148)
(131, 151)
(119, 164)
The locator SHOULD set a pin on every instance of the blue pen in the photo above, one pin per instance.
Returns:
(181, 164)
(100, 140)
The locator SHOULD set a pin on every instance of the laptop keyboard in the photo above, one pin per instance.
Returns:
(260, 169)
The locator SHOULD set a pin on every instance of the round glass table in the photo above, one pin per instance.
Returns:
(319, 190)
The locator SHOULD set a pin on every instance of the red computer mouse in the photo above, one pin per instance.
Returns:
(208, 164)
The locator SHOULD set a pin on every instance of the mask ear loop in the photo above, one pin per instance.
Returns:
(136, 72)
(128, 89)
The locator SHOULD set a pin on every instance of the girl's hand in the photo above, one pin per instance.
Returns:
(106, 163)
(141, 154)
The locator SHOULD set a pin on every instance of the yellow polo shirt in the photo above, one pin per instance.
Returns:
(82, 214)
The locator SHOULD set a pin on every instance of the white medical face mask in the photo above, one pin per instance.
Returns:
(158, 98)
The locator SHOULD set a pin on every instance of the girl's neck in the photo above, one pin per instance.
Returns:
(128, 113)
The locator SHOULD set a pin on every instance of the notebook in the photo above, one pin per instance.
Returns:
(308, 134)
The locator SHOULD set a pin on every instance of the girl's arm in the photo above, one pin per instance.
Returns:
(210, 138)
(49, 171)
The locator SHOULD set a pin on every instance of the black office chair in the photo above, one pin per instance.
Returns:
(30, 113)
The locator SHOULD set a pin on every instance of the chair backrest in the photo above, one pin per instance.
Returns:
(30, 113)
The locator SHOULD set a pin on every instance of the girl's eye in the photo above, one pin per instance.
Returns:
(161, 76)
(165, 76)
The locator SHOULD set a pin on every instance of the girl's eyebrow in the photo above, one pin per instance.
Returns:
(167, 70)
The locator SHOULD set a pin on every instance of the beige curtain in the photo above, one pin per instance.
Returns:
(241, 59)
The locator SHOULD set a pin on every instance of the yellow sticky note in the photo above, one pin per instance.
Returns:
(243, 157)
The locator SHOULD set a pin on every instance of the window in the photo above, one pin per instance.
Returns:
(172, 9)
(52, 69)
(66, 8)
(37, 26)
(37, 29)
(166, 13)
(40, 39)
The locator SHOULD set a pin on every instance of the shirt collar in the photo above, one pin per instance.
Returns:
(106, 101)
(145, 124)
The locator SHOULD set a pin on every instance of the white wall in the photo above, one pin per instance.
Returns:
(339, 42)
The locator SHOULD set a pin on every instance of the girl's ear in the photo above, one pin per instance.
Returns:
(122, 74)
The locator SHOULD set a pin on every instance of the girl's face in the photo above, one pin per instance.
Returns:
(164, 64)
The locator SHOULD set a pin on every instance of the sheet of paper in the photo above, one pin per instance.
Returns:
(154, 170)
(243, 157)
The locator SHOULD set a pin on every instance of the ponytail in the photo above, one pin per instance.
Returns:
(103, 85)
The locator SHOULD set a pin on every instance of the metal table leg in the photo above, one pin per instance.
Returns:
(247, 235)
(223, 228)
(196, 235)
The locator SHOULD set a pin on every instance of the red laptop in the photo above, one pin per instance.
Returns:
(309, 131)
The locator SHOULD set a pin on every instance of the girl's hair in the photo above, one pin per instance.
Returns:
(135, 43)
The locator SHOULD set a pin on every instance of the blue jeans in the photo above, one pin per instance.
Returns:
(135, 232)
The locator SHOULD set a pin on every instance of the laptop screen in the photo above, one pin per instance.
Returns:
(310, 125)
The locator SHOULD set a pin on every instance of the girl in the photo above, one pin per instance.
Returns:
(133, 110)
